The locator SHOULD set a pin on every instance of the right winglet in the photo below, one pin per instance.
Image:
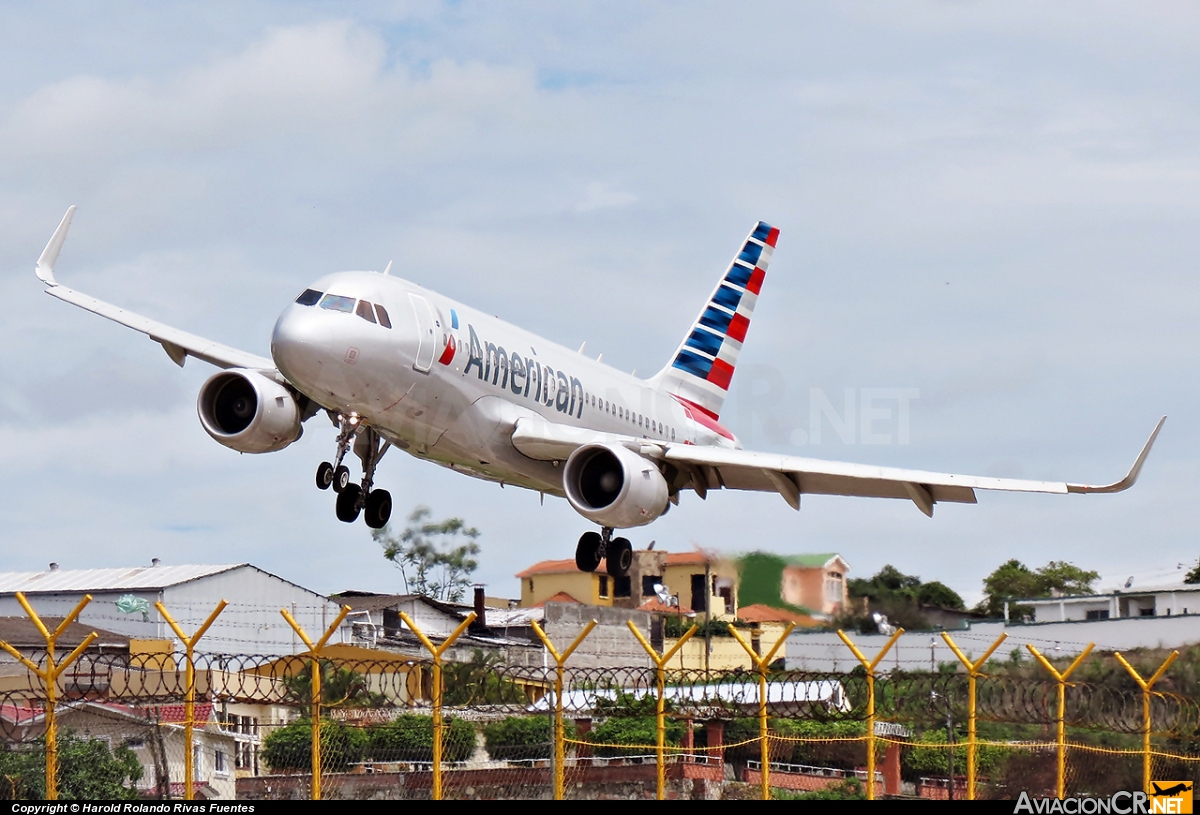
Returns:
(45, 264)
(1126, 482)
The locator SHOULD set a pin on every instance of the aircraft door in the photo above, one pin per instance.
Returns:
(426, 333)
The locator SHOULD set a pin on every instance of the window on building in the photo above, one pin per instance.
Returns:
(1146, 612)
(219, 761)
(622, 586)
(833, 587)
(604, 586)
(648, 581)
(1098, 614)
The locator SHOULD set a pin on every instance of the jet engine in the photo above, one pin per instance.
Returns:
(246, 411)
(614, 486)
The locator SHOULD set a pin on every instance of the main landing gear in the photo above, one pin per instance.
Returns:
(596, 546)
(375, 505)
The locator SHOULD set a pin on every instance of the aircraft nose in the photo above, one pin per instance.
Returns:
(298, 345)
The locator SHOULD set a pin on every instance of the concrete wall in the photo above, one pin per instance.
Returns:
(610, 645)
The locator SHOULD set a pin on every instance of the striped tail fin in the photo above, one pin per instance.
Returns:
(700, 371)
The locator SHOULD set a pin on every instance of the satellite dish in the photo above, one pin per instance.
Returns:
(663, 593)
(882, 625)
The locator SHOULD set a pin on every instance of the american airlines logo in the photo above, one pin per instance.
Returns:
(524, 376)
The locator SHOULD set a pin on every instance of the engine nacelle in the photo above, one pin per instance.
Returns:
(614, 486)
(248, 412)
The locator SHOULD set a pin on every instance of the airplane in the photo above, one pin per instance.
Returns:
(1171, 791)
(393, 364)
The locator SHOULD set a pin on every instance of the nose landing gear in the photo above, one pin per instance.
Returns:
(369, 446)
(596, 546)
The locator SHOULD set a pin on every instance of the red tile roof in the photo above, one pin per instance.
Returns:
(174, 714)
(654, 604)
(554, 567)
(759, 613)
(561, 597)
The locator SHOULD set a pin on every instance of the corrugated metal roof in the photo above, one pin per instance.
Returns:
(89, 580)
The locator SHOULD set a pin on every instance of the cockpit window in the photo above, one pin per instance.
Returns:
(309, 298)
(364, 311)
(336, 302)
(384, 320)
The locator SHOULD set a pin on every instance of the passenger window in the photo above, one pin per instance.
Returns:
(364, 311)
(384, 320)
(309, 298)
(335, 302)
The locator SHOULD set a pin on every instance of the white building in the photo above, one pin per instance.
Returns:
(123, 602)
(1167, 600)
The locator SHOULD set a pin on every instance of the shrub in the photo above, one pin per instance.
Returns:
(638, 732)
(410, 738)
(523, 737)
(290, 747)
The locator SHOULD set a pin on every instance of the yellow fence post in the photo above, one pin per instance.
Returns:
(1061, 716)
(559, 734)
(762, 663)
(660, 718)
(973, 672)
(315, 696)
(189, 699)
(1146, 685)
(436, 652)
(49, 677)
(870, 666)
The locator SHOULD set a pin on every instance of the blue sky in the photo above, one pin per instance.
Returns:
(992, 205)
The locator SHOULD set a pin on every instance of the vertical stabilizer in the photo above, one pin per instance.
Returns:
(701, 368)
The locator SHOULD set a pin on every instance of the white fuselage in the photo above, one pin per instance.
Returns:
(448, 383)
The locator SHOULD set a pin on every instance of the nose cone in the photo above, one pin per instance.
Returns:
(299, 346)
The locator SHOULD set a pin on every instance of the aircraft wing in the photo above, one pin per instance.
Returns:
(716, 468)
(712, 468)
(178, 344)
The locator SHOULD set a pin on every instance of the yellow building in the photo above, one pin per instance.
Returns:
(682, 575)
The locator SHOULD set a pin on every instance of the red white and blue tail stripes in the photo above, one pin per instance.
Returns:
(703, 365)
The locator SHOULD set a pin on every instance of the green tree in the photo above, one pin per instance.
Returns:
(1194, 575)
(900, 597)
(87, 770)
(1013, 579)
(435, 558)
(478, 681)
(340, 687)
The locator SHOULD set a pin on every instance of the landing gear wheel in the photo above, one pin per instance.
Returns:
(341, 477)
(324, 475)
(347, 503)
(587, 551)
(619, 557)
(378, 508)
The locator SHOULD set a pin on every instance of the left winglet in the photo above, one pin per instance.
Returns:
(1129, 479)
(45, 264)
